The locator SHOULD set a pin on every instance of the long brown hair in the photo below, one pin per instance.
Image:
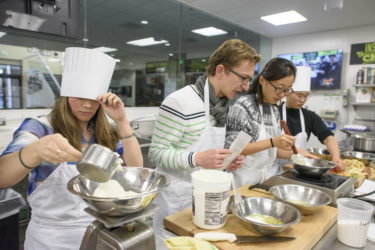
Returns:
(275, 69)
(65, 123)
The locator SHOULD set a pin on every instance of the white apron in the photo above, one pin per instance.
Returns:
(58, 220)
(301, 137)
(178, 195)
(260, 166)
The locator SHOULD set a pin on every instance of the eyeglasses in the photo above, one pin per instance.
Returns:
(245, 79)
(278, 91)
(302, 96)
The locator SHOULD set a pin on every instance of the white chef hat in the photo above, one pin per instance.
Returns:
(87, 73)
(303, 80)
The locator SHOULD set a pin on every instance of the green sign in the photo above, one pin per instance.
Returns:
(362, 53)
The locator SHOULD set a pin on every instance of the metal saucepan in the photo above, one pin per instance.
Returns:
(365, 142)
(361, 141)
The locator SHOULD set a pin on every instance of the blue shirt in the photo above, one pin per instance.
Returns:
(31, 130)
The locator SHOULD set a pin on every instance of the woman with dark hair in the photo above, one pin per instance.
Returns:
(257, 115)
(46, 148)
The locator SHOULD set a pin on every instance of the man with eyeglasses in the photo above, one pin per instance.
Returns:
(302, 122)
(190, 129)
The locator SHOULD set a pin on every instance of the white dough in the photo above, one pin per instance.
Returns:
(112, 189)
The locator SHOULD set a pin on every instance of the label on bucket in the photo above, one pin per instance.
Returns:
(210, 208)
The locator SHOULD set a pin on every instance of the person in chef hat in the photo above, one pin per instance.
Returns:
(46, 147)
(302, 122)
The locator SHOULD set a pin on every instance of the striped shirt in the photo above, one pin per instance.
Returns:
(31, 130)
(179, 124)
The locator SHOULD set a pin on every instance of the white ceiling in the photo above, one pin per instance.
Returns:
(247, 13)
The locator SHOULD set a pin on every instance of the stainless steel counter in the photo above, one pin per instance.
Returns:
(330, 242)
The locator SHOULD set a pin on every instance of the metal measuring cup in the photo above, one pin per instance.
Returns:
(98, 163)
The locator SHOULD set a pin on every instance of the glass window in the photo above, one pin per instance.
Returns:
(144, 75)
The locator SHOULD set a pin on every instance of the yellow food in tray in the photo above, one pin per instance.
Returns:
(356, 169)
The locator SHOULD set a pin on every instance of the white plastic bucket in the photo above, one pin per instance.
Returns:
(210, 198)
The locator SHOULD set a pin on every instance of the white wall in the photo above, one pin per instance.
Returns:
(336, 39)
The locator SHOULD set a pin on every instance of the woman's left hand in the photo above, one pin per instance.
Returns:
(113, 107)
(236, 163)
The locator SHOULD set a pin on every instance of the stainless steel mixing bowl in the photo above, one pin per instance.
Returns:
(366, 158)
(308, 200)
(146, 182)
(286, 213)
(314, 168)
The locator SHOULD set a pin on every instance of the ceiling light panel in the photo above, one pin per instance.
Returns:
(210, 31)
(105, 49)
(284, 18)
(146, 42)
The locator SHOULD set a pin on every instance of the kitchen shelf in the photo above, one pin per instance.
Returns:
(364, 85)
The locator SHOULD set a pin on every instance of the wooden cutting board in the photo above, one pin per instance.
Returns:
(307, 232)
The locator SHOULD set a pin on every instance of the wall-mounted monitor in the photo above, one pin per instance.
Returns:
(325, 67)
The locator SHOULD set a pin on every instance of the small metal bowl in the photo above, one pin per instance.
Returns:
(308, 200)
(286, 213)
(313, 168)
(146, 182)
(322, 153)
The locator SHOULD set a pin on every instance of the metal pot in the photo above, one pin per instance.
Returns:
(364, 142)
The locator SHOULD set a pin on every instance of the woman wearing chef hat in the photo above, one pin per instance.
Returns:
(302, 122)
(45, 148)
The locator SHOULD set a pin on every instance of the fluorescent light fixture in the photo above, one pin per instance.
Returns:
(144, 22)
(284, 18)
(170, 54)
(2, 34)
(146, 42)
(167, 44)
(105, 49)
(209, 31)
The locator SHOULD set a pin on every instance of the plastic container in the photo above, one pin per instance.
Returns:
(353, 221)
(210, 198)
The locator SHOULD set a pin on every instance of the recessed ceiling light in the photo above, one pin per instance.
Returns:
(210, 31)
(170, 54)
(167, 44)
(284, 18)
(144, 22)
(146, 42)
(2, 34)
(105, 49)
(203, 60)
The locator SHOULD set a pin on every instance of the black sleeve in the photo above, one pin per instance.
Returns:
(314, 124)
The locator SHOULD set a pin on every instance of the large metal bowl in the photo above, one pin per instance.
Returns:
(288, 214)
(366, 158)
(146, 182)
(308, 200)
(313, 168)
